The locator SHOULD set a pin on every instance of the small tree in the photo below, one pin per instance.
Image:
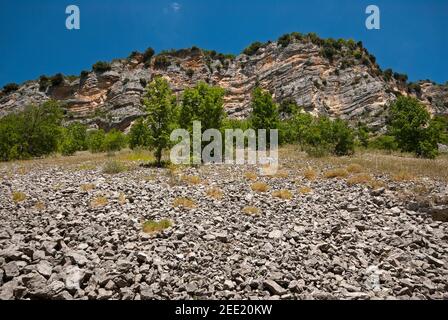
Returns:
(115, 140)
(264, 111)
(160, 106)
(409, 123)
(139, 134)
(73, 138)
(95, 140)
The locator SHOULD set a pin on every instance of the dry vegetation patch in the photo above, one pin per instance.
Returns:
(362, 178)
(87, 187)
(282, 194)
(184, 203)
(336, 174)
(215, 193)
(354, 168)
(18, 196)
(260, 187)
(152, 226)
(310, 174)
(251, 211)
(250, 175)
(192, 180)
(98, 202)
(305, 190)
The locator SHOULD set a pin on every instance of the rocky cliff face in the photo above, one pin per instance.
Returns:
(343, 82)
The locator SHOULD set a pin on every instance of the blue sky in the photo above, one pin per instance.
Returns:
(34, 40)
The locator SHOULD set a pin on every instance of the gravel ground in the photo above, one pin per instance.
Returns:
(338, 242)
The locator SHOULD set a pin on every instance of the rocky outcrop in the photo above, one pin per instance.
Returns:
(347, 84)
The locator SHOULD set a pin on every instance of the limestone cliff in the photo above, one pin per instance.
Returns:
(336, 78)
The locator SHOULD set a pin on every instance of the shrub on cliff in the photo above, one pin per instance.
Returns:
(101, 66)
(162, 62)
(10, 87)
(253, 48)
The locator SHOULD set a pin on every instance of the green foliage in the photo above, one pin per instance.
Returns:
(160, 106)
(388, 74)
(189, 73)
(139, 135)
(73, 138)
(114, 140)
(264, 110)
(101, 66)
(362, 135)
(147, 56)
(400, 77)
(10, 87)
(202, 103)
(253, 48)
(324, 136)
(95, 140)
(384, 142)
(284, 40)
(31, 133)
(162, 62)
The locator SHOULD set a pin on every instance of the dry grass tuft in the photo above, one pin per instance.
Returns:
(362, 178)
(152, 226)
(354, 168)
(18, 196)
(122, 198)
(376, 184)
(251, 211)
(403, 176)
(305, 190)
(215, 193)
(260, 187)
(282, 194)
(113, 167)
(193, 180)
(99, 202)
(87, 187)
(250, 176)
(184, 203)
(336, 173)
(40, 206)
(310, 174)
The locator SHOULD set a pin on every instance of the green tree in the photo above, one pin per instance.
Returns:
(95, 140)
(264, 110)
(139, 134)
(114, 140)
(410, 123)
(160, 106)
(202, 103)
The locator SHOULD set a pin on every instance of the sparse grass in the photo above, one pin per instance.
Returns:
(215, 193)
(40, 206)
(260, 187)
(113, 167)
(362, 178)
(376, 184)
(192, 180)
(137, 156)
(354, 168)
(86, 167)
(282, 194)
(250, 176)
(403, 176)
(99, 202)
(282, 174)
(336, 173)
(184, 203)
(18, 196)
(122, 198)
(251, 211)
(152, 226)
(305, 190)
(310, 174)
(87, 187)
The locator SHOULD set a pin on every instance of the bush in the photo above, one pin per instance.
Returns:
(147, 55)
(410, 124)
(113, 167)
(190, 73)
(253, 48)
(284, 40)
(101, 66)
(10, 87)
(31, 133)
(139, 135)
(324, 136)
(73, 138)
(162, 62)
(264, 110)
(114, 140)
(384, 142)
(95, 140)
(57, 79)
